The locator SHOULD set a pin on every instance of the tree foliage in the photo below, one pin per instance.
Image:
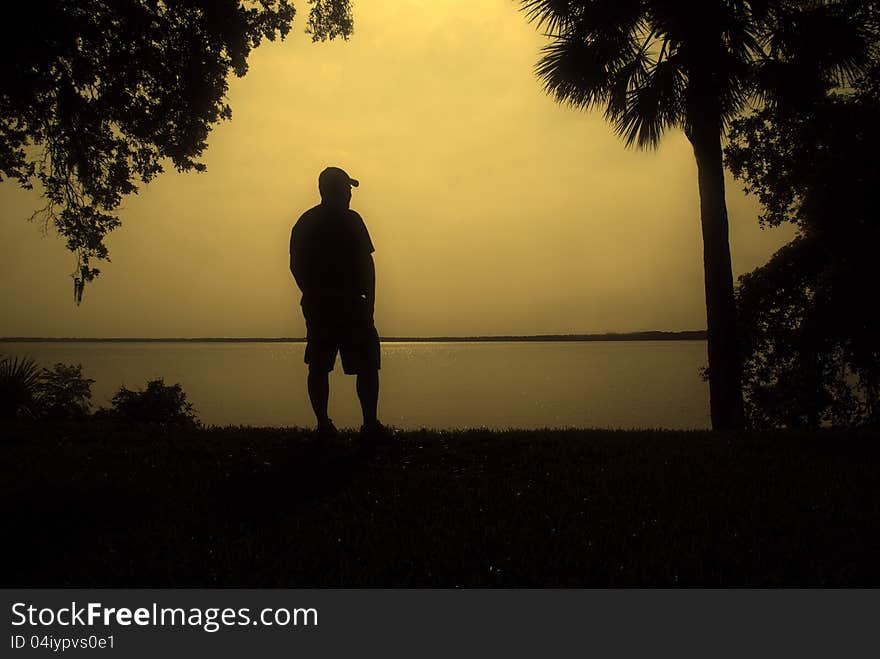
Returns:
(64, 392)
(97, 96)
(643, 61)
(808, 321)
(653, 65)
(19, 387)
(27, 391)
(158, 403)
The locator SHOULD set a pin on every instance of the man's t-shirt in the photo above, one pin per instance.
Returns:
(330, 249)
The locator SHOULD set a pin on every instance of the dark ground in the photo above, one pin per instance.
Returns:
(130, 507)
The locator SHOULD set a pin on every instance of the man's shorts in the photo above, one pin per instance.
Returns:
(346, 329)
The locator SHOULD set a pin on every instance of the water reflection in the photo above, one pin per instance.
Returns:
(616, 384)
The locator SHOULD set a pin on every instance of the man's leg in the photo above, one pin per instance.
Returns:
(368, 394)
(319, 394)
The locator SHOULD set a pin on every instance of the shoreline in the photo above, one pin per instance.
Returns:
(687, 335)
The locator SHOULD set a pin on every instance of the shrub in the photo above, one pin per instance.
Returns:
(64, 392)
(19, 387)
(808, 341)
(158, 403)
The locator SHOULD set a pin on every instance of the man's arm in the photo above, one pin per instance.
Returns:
(370, 281)
(297, 267)
(368, 267)
(296, 271)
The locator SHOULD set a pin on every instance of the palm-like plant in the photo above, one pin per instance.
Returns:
(660, 64)
(19, 387)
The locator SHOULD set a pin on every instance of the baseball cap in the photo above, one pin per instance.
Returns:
(334, 176)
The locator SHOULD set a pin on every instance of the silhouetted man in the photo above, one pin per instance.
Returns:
(331, 260)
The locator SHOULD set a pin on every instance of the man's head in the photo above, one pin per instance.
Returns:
(335, 187)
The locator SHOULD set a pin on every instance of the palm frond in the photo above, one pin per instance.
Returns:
(23, 370)
(822, 39)
(654, 64)
(19, 386)
(738, 86)
(651, 107)
(552, 15)
(579, 70)
(562, 16)
(742, 35)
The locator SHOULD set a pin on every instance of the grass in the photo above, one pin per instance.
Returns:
(90, 506)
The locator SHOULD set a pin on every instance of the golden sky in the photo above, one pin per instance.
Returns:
(493, 209)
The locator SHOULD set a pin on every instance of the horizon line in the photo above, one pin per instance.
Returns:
(646, 335)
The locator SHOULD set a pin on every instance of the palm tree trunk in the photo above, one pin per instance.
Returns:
(725, 369)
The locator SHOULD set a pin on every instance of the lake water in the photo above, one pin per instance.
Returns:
(601, 384)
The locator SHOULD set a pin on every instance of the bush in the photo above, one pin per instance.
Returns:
(64, 392)
(810, 357)
(26, 391)
(158, 403)
(19, 387)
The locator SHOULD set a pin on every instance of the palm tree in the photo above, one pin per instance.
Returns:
(660, 64)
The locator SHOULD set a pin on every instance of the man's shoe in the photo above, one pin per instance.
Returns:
(326, 430)
(375, 433)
